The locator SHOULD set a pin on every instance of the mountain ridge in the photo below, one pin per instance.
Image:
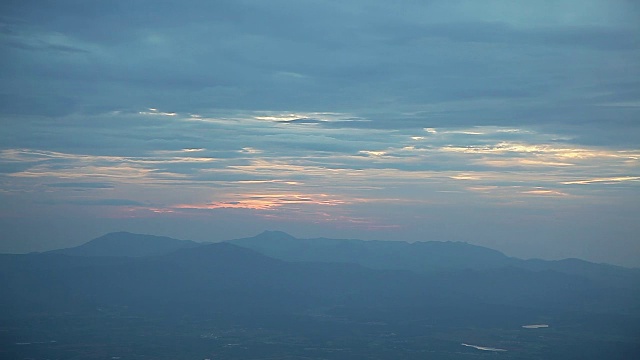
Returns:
(238, 290)
(419, 256)
(127, 244)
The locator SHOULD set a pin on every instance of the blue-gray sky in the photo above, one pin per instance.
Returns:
(514, 125)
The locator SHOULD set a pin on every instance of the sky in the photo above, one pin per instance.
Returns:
(512, 125)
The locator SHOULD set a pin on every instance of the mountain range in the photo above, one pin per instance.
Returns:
(422, 257)
(277, 276)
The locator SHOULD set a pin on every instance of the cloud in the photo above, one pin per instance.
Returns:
(589, 36)
(82, 185)
(361, 114)
(373, 62)
(268, 201)
(605, 180)
(104, 202)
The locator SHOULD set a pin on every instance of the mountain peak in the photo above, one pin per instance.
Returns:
(128, 244)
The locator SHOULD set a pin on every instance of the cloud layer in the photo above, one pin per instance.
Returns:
(509, 126)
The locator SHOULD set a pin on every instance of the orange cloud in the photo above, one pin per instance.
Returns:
(267, 201)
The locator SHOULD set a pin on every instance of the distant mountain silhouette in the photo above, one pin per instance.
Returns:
(418, 256)
(283, 273)
(224, 282)
(227, 282)
(229, 278)
(423, 257)
(127, 244)
(212, 278)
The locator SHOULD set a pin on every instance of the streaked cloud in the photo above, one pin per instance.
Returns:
(609, 180)
(102, 202)
(82, 185)
(269, 201)
(421, 120)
